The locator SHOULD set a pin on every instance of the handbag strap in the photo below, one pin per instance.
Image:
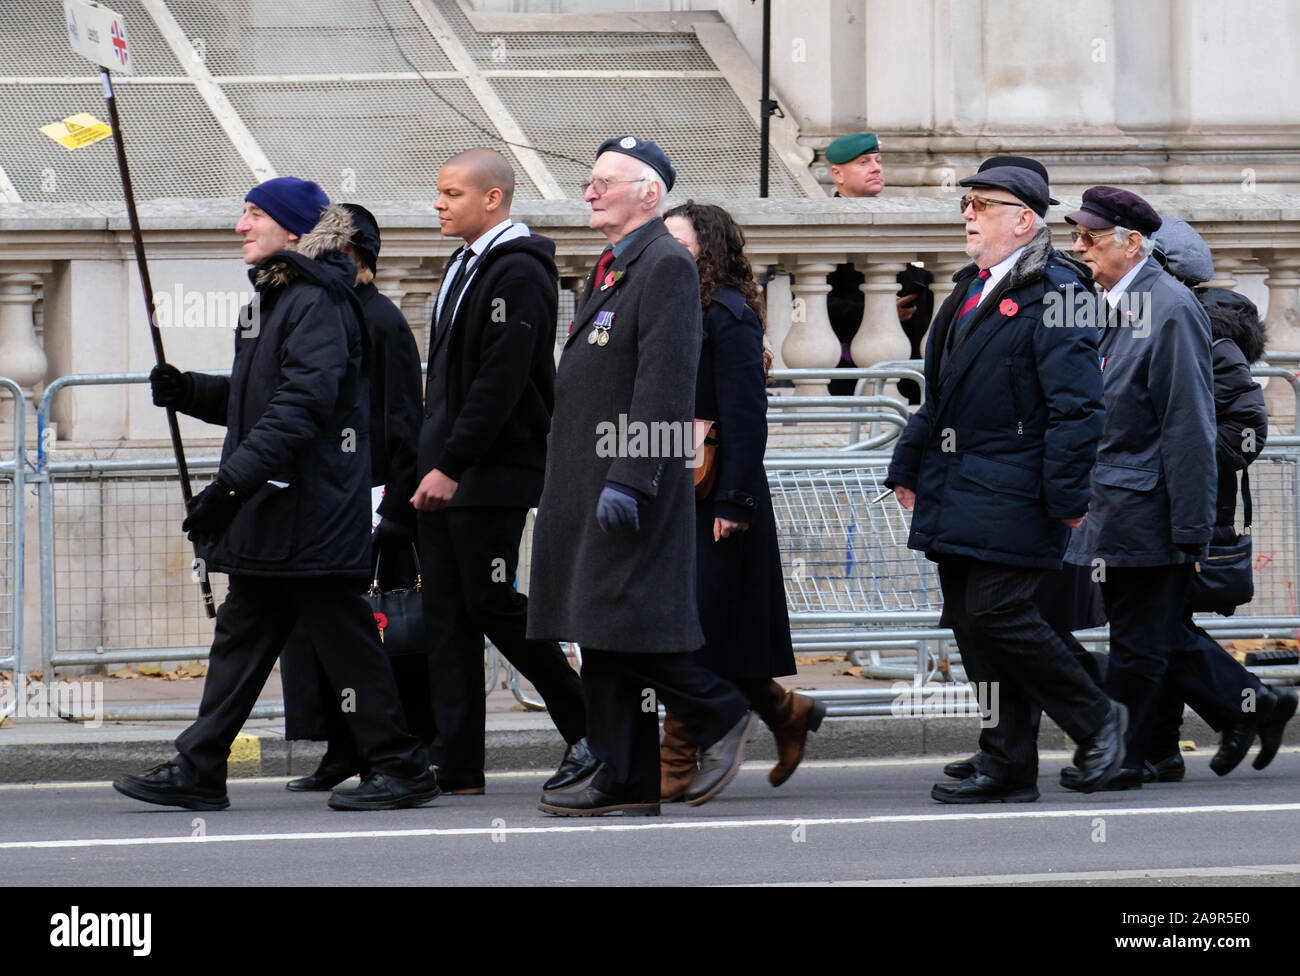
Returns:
(1245, 498)
(415, 556)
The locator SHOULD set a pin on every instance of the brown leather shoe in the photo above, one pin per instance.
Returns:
(678, 760)
(790, 717)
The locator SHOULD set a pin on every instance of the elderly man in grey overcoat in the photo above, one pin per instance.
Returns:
(613, 548)
(1155, 481)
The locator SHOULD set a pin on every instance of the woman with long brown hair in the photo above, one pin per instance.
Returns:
(739, 581)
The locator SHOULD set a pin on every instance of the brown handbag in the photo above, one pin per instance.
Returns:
(706, 456)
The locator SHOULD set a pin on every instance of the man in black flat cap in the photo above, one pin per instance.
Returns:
(614, 544)
(1154, 484)
(995, 482)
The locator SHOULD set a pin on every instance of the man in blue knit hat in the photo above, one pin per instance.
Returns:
(287, 516)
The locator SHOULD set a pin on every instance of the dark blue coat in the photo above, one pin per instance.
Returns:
(1000, 452)
(739, 579)
(296, 411)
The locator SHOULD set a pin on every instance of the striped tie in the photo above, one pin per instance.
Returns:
(973, 295)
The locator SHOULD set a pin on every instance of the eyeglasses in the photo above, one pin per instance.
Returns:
(979, 204)
(1091, 236)
(602, 186)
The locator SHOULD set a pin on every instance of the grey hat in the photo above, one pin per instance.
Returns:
(1187, 256)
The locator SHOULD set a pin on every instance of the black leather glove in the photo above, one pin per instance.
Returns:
(211, 512)
(171, 387)
(1191, 548)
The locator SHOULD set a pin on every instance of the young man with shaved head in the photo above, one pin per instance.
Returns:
(488, 401)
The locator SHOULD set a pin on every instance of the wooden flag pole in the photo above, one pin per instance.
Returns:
(160, 356)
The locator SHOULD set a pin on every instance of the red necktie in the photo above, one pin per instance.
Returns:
(972, 300)
(606, 259)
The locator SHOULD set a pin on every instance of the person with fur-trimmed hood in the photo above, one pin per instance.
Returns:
(288, 514)
(995, 467)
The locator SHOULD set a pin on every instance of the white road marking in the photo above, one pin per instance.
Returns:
(641, 826)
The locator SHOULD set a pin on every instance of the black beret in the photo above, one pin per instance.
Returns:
(644, 150)
(366, 236)
(1109, 206)
(1027, 185)
(1024, 162)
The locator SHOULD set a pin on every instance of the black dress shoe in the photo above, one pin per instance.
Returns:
(380, 791)
(1171, 769)
(1236, 739)
(720, 762)
(578, 764)
(168, 786)
(1270, 730)
(325, 778)
(1100, 756)
(961, 769)
(1125, 779)
(591, 802)
(983, 789)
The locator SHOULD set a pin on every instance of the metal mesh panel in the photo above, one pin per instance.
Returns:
(123, 570)
(371, 140)
(631, 51)
(1273, 489)
(34, 41)
(174, 145)
(706, 132)
(248, 37)
(7, 639)
(842, 554)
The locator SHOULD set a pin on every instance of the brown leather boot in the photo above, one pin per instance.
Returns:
(678, 759)
(790, 717)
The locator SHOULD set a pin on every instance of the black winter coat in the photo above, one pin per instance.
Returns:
(499, 389)
(739, 580)
(1000, 453)
(296, 411)
(1238, 407)
(395, 404)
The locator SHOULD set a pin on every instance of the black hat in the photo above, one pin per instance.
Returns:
(1024, 162)
(1028, 185)
(1109, 206)
(644, 150)
(365, 239)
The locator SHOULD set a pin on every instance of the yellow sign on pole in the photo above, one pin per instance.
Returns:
(77, 130)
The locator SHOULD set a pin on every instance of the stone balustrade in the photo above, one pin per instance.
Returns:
(76, 260)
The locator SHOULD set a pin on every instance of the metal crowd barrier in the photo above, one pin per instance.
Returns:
(12, 478)
(852, 584)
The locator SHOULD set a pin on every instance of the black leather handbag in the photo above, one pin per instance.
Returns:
(1225, 580)
(399, 613)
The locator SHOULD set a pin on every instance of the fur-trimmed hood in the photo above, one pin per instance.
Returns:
(1235, 317)
(319, 257)
(1032, 262)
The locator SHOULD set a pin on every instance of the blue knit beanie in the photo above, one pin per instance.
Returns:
(292, 203)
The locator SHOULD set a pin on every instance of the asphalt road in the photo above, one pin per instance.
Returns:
(854, 822)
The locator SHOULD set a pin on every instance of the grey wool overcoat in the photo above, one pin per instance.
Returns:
(623, 413)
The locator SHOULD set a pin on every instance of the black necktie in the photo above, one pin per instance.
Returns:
(453, 291)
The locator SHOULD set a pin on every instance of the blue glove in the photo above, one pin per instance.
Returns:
(617, 509)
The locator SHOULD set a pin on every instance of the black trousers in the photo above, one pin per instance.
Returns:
(623, 691)
(252, 625)
(1216, 682)
(469, 557)
(1151, 649)
(1008, 647)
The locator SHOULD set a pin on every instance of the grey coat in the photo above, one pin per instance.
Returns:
(624, 591)
(1154, 483)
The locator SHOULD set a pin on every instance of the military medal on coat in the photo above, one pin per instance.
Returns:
(600, 334)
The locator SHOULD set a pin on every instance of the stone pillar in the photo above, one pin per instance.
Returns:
(880, 337)
(1225, 270)
(418, 283)
(21, 357)
(1283, 321)
(811, 342)
(779, 299)
(943, 266)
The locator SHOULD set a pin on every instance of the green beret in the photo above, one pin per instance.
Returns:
(851, 147)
